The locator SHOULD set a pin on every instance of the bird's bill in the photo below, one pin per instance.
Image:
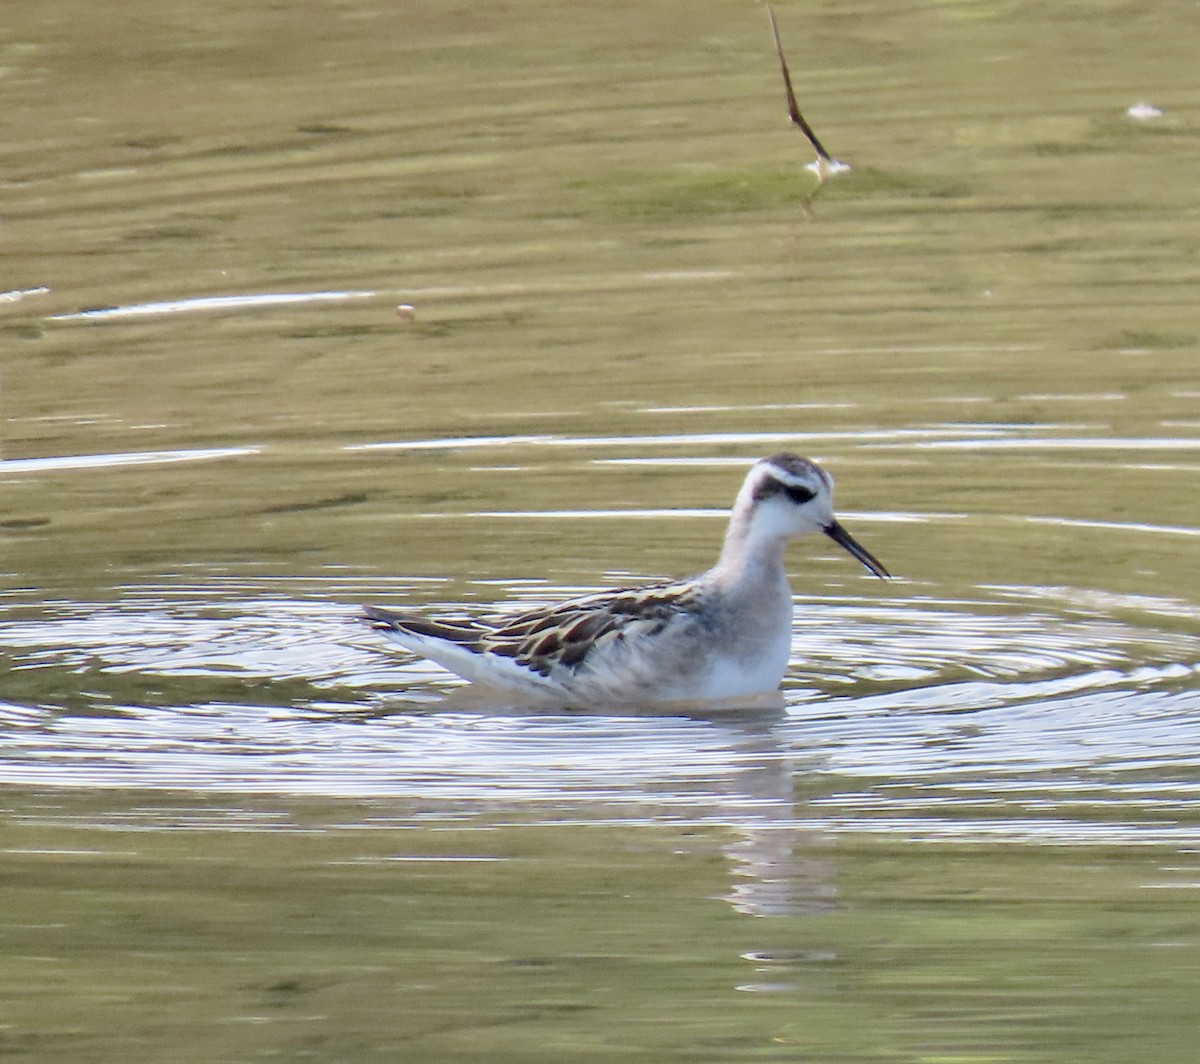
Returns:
(842, 538)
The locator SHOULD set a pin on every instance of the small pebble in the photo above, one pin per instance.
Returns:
(405, 312)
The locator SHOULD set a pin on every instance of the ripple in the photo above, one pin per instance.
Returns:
(701, 439)
(1075, 443)
(1012, 717)
(120, 458)
(846, 644)
(1119, 526)
(251, 301)
(847, 641)
(268, 638)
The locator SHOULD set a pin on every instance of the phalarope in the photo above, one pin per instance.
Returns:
(722, 635)
(825, 165)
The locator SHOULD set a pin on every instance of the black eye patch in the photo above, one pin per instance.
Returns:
(770, 486)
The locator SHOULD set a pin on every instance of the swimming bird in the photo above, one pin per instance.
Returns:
(725, 634)
(825, 165)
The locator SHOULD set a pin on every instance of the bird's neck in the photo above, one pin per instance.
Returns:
(750, 555)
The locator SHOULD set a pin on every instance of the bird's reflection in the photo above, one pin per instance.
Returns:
(774, 872)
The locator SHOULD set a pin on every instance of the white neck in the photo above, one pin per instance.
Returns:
(751, 552)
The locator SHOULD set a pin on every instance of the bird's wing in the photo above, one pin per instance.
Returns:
(542, 639)
(567, 635)
(462, 632)
(457, 645)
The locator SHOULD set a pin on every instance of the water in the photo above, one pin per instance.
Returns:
(238, 827)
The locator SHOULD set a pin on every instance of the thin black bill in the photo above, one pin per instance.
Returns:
(842, 538)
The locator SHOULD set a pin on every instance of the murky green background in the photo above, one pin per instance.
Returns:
(235, 827)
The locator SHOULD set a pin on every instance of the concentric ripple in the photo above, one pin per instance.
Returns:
(1008, 715)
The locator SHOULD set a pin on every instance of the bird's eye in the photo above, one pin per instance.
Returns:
(799, 495)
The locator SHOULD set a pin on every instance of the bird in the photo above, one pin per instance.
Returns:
(825, 165)
(722, 635)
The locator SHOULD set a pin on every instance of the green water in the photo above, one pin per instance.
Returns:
(236, 828)
(493, 940)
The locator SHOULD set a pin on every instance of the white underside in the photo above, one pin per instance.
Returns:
(624, 679)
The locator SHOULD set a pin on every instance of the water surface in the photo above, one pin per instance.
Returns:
(236, 826)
